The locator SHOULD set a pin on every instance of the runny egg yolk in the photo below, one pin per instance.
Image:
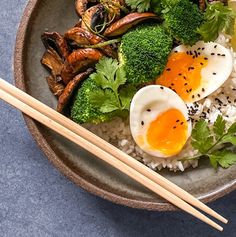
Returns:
(168, 133)
(183, 74)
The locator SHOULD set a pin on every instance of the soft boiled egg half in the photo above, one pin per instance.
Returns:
(196, 72)
(159, 121)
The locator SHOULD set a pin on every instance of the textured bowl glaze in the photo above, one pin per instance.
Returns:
(85, 170)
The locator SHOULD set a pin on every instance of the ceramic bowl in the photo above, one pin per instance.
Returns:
(81, 167)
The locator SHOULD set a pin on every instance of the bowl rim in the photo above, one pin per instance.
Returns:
(55, 160)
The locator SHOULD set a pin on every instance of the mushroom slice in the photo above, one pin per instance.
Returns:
(82, 5)
(55, 87)
(94, 18)
(68, 92)
(57, 42)
(53, 62)
(83, 37)
(124, 24)
(79, 61)
(79, 23)
(202, 4)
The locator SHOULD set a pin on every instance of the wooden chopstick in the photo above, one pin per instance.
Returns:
(105, 156)
(99, 142)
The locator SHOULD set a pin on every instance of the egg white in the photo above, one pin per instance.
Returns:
(158, 99)
(218, 70)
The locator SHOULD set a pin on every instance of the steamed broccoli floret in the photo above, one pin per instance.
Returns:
(82, 109)
(144, 52)
(182, 20)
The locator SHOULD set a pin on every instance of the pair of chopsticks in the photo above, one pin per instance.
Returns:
(108, 153)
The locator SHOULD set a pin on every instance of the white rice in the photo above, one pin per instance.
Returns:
(118, 132)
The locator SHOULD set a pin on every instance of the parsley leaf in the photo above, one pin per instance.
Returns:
(113, 95)
(140, 5)
(126, 93)
(210, 142)
(223, 158)
(218, 18)
(232, 128)
(219, 126)
(201, 137)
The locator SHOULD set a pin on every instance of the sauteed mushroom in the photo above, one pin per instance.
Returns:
(82, 5)
(56, 88)
(78, 61)
(68, 92)
(57, 42)
(83, 37)
(53, 62)
(114, 8)
(123, 25)
(94, 18)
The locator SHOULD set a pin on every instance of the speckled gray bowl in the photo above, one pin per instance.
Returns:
(78, 165)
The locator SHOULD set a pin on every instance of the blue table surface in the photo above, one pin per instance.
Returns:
(36, 200)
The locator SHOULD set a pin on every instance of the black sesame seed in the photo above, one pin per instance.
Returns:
(227, 97)
(212, 54)
(174, 127)
(148, 110)
(182, 123)
(215, 46)
(180, 74)
(205, 58)
(199, 53)
(172, 84)
(185, 84)
(214, 73)
(201, 63)
(184, 77)
(218, 54)
(142, 123)
(190, 90)
(190, 53)
(177, 121)
(223, 55)
(187, 53)
(176, 51)
(235, 101)
(168, 69)
(194, 57)
(193, 96)
(203, 48)
(234, 89)
(198, 48)
(198, 95)
(162, 88)
(203, 90)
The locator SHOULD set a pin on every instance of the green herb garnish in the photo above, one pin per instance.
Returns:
(139, 5)
(218, 18)
(211, 142)
(113, 95)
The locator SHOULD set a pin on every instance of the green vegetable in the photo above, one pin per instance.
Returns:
(112, 94)
(210, 142)
(82, 110)
(139, 5)
(182, 19)
(217, 18)
(144, 52)
(149, 5)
